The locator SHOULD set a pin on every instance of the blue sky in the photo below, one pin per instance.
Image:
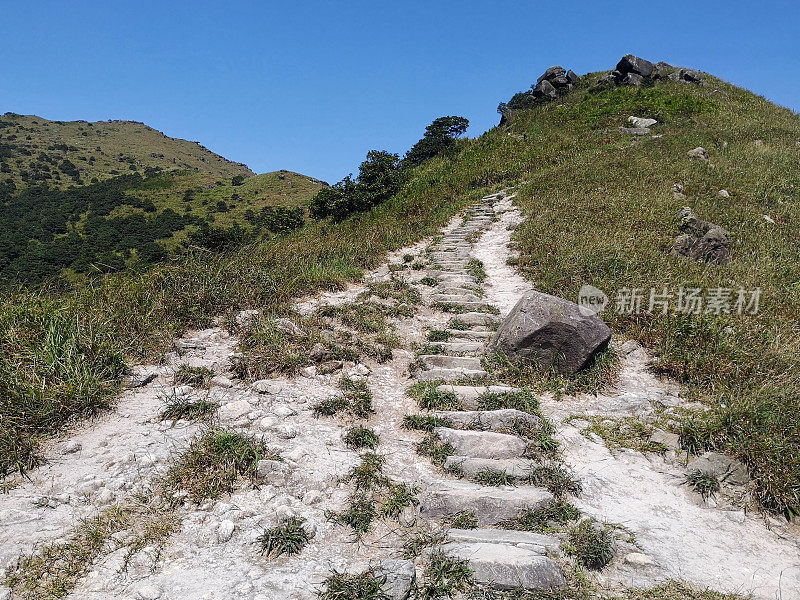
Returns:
(311, 86)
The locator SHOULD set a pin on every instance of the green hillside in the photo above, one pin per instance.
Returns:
(81, 198)
(64, 153)
(600, 208)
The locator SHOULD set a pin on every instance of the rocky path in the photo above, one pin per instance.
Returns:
(476, 452)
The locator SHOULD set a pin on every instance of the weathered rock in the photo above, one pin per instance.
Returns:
(517, 468)
(482, 444)
(507, 567)
(633, 79)
(545, 89)
(552, 73)
(665, 438)
(139, 377)
(234, 410)
(724, 194)
(491, 505)
(633, 64)
(701, 240)
(225, 531)
(265, 386)
(477, 318)
(245, 317)
(639, 559)
(699, 153)
(442, 361)
(641, 121)
(271, 471)
(726, 469)
(287, 326)
(397, 577)
(551, 331)
(438, 374)
(536, 542)
(572, 77)
(495, 420)
(148, 592)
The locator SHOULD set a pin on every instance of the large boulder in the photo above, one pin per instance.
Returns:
(551, 331)
(636, 65)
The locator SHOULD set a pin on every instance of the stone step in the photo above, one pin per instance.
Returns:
(477, 318)
(461, 347)
(469, 394)
(517, 468)
(482, 444)
(450, 289)
(449, 374)
(473, 307)
(455, 298)
(537, 542)
(491, 505)
(433, 361)
(504, 419)
(470, 334)
(507, 567)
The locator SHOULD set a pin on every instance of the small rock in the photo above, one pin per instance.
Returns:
(641, 122)
(286, 432)
(699, 153)
(271, 471)
(246, 317)
(222, 381)
(287, 326)
(265, 386)
(104, 497)
(768, 219)
(182, 391)
(268, 423)
(234, 410)
(398, 578)
(665, 438)
(629, 347)
(71, 447)
(284, 513)
(726, 469)
(309, 372)
(759, 143)
(281, 410)
(148, 592)
(312, 497)
(318, 352)
(329, 366)
(225, 531)
(639, 560)
(360, 370)
(723, 194)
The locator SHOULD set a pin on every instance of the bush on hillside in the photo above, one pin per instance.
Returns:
(379, 178)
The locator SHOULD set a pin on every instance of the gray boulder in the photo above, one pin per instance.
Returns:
(552, 73)
(636, 65)
(571, 77)
(551, 331)
(545, 89)
(726, 469)
(701, 240)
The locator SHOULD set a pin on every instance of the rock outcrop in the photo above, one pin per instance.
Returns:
(633, 70)
(701, 240)
(551, 331)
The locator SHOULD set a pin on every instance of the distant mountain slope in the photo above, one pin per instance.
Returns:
(63, 153)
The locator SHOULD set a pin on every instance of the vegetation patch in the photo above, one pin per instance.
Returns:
(548, 519)
(364, 586)
(430, 397)
(705, 484)
(199, 377)
(213, 463)
(625, 432)
(287, 538)
(425, 422)
(591, 544)
(177, 408)
(436, 450)
(359, 437)
(476, 270)
(355, 399)
(444, 577)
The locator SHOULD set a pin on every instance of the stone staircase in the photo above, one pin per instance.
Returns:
(483, 440)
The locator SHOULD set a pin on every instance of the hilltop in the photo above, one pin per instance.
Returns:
(64, 153)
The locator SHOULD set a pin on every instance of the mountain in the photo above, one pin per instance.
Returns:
(79, 197)
(64, 153)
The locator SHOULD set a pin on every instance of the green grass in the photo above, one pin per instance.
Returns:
(343, 586)
(355, 399)
(705, 484)
(492, 478)
(358, 515)
(438, 335)
(625, 432)
(444, 577)
(213, 463)
(199, 377)
(359, 437)
(548, 519)
(368, 473)
(591, 544)
(555, 478)
(434, 449)
(464, 519)
(187, 408)
(399, 497)
(425, 422)
(475, 268)
(430, 398)
(287, 538)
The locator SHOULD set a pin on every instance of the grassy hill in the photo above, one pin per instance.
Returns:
(600, 209)
(64, 153)
(79, 197)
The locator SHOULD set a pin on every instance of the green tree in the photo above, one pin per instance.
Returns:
(439, 136)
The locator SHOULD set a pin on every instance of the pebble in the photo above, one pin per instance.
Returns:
(225, 531)
(234, 410)
(281, 410)
(265, 386)
(286, 432)
(639, 559)
(71, 447)
(148, 592)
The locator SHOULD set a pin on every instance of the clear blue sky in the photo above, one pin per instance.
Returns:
(311, 85)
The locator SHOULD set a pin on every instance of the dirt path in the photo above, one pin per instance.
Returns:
(678, 536)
